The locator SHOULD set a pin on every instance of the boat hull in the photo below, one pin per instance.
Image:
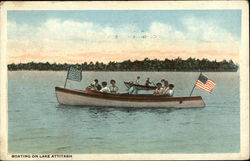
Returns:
(83, 98)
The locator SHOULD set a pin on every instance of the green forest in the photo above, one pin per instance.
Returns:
(178, 64)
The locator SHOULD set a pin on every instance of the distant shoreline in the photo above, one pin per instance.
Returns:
(108, 71)
(146, 65)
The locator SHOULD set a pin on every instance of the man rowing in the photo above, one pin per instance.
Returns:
(137, 81)
(147, 83)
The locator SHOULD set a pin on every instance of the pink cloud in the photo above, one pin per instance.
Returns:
(124, 55)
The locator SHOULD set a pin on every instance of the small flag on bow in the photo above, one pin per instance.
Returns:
(73, 74)
(205, 84)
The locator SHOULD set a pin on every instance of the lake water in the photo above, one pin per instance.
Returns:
(38, 124)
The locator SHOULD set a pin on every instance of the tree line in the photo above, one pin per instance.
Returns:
(178, 64)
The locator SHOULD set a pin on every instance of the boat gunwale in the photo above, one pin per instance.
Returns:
(128, 97)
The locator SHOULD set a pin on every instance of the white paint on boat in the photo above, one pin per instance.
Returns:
(68, 98)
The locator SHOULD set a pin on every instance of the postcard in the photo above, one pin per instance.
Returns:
(122, 80)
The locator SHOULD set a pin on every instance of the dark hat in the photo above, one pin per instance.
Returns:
(171, 85)
(104, 83)
(158, 84)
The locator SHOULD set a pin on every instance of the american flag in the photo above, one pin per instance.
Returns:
(204, 83)
(74, 74)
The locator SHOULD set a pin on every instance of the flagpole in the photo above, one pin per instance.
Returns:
(192, 89)
(66, 78)
(65, 82)
(194, 85)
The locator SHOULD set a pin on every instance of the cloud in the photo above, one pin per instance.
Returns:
(205, 30)
(56, 38)
(166, 32)
(56, 29)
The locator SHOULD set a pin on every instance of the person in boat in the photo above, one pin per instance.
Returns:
(163, 83)
(91, 87)
(159, 89)
(170, 91)
(95, 85)
(137, 80)
(165, 87)
(113, 88)
(147, 83)
(105, 89)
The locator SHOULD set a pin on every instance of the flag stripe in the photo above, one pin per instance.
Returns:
(208, 86)
(205, 84)
(210, 82)
(203, 87)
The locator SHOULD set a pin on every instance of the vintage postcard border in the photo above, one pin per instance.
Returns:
(177, 5)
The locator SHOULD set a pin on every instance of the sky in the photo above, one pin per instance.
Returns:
(79, 36)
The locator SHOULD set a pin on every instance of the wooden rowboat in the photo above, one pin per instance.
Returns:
(86, 98)
(139, 87)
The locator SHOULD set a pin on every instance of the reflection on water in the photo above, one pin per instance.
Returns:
(111, 110)
(38, 124)
(122, 109)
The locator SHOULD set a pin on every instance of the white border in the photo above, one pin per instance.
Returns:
(146, 5)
